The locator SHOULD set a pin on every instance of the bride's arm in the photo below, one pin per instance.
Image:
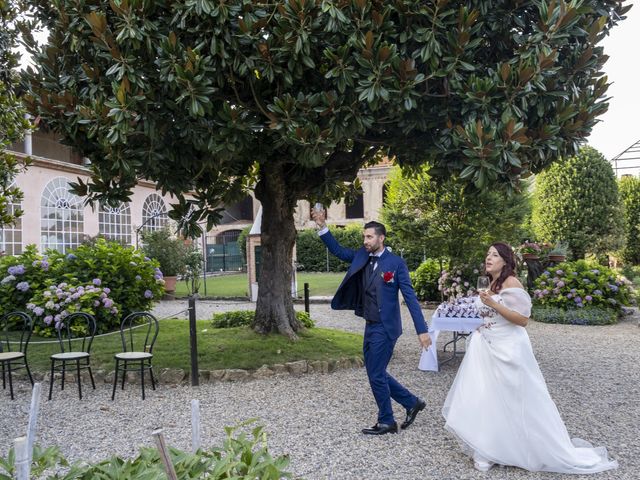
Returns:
(511, 315)
(506, 312)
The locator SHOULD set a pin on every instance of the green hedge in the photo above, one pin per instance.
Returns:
(425, 280)
(241, 318)
(576, 316)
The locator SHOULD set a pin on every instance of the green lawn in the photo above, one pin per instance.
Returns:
(236, 285)
(217, 348)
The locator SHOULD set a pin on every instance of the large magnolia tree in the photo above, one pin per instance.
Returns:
(12, 114)
(291, 98)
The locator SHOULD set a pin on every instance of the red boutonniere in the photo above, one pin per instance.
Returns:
(388, 277)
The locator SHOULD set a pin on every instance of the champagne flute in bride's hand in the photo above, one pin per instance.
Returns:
(483, 283)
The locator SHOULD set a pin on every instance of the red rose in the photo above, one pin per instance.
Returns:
(388, 277)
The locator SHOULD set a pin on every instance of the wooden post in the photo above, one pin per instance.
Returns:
(33, 418)
(23, 467)
(195, 425)
(165, 456)
(306, 297)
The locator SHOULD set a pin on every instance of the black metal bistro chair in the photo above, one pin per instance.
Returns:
(138, 332)
(15, 333)
(75, 337)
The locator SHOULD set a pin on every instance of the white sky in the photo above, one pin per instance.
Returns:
(619, 127)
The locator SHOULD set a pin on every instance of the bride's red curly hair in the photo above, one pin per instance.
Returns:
(509, 269)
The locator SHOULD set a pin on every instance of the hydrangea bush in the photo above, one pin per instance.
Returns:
(134, 280)
(51, 306)
(579, 284)
(120, 278)
(460, 280)
(21, 277)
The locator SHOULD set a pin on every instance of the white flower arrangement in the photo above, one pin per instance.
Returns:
(462, 307)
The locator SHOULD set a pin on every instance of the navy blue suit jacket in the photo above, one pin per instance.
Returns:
(349, 294)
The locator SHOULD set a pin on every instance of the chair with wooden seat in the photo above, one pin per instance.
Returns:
(138, 332)
(75, 336)
(15, 333)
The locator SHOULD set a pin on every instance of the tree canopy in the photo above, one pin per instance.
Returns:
(576, 202)
(12, 114)
(445, 221)
(292, 97)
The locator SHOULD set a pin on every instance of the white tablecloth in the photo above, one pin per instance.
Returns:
(429, 357)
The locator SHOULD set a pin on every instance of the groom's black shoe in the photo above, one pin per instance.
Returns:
(381, 429)
(412, 413)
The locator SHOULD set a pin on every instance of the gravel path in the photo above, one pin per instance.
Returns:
(592, 373)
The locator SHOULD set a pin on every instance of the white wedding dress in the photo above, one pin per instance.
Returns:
(499, 407)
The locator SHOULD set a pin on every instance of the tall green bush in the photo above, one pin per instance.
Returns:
(170, 252)
(312, 254)
(425, 280)
(444, 220)
(629, 188)
(576, 202)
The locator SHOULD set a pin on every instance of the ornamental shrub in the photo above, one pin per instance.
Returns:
(51, 306)
(590, 315)
(244, 318)
(629, 188)
(571, 285)
(425, 280)
(22, 276)
(134, 280)
(312, 254)
(460, 280)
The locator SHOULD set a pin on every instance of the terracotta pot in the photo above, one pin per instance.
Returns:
(170, 284)
(530, 256)
(557, 258)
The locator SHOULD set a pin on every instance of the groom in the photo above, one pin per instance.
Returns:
(370, 287)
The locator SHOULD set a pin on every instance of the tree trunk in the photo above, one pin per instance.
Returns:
(274, 309)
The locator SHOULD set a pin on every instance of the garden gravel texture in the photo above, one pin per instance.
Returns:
(592, 373)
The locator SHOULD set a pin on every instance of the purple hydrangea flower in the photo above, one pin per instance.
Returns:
(148, 294)
(22, 286)
(107, 302)
(38, 311)
(71, 256)
(97, 282)
(8, 279)
(138, 277)
(588, 298)
(560, 284)
(16, 270)
(106, 290)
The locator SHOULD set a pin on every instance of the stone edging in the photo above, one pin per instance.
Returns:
(177, 376)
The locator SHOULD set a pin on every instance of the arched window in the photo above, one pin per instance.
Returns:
(62, 220)
(115, 223)
(11, 235)
(154, 213)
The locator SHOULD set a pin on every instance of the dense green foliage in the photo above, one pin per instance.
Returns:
(170, 252)
(629, 188)
(579, 284)
(574, 316)
(242, 456)
(576, 202)
(447, 220)
(12, 122)
(312, 255)
(292, 98)
(104, 278)
(425, 280)
(244, 318)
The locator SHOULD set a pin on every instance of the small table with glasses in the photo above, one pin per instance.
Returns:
(461, 328)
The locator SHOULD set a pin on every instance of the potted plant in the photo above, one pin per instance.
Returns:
(558, 253)
(170, 252)
(530, 250)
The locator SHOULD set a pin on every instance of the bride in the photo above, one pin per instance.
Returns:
(498, 406)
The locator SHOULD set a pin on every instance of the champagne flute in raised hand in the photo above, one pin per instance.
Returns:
(484, 282)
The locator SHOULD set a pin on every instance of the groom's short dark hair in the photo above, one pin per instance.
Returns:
(377, 226)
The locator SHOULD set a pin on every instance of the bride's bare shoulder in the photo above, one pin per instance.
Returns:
(512, 282)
